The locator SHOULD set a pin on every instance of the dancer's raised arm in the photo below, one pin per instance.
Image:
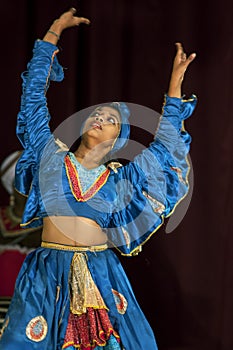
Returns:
(180, 64)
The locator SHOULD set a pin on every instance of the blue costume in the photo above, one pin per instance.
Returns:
(79, 297)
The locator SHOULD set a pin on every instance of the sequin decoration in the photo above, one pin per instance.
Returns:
(126, 236)
(37, 329)
(90, 330)
(179, 174)
(84, 183)
(121, 302)
(157, 206)
(83, 290)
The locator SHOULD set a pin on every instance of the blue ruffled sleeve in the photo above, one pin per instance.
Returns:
(33, 119)
(150, 187)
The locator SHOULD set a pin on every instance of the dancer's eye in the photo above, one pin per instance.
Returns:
(112, 120)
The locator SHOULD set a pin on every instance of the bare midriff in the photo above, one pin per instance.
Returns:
(72, 230)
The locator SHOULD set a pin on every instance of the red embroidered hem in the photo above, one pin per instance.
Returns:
(89, 330)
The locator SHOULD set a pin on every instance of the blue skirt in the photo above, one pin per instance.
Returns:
(70, 299)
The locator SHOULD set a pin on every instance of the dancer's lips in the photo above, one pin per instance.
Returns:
(97, 125)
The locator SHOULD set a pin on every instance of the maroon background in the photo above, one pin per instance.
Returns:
(184, 280)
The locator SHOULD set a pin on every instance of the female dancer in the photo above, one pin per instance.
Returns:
(72, 291)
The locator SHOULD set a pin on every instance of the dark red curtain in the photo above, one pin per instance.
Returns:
(183, 280)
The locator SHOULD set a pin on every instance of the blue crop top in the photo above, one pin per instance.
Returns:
(129, 202)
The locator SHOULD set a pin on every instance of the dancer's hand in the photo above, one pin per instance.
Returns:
(180, 65)
(66, 20)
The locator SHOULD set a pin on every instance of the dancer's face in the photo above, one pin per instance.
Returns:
(103, 125)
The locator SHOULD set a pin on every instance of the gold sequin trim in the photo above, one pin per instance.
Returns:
(84, 292)
(94, 248)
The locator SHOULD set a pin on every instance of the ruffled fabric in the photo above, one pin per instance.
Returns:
(133, 202)
(89, 330)
(111, 344)
(150, 187)
(34, 111)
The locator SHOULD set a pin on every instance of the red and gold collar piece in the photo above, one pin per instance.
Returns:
(84, 183)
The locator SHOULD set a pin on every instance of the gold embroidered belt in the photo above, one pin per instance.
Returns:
(92, 248)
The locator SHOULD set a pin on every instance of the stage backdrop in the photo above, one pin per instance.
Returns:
(183, 280)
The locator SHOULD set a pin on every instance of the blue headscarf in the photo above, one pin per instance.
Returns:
(124, 133)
